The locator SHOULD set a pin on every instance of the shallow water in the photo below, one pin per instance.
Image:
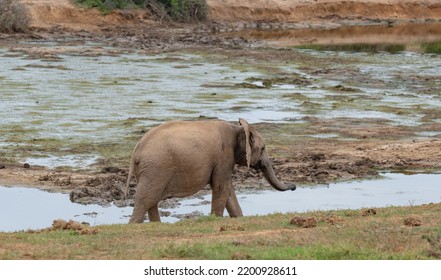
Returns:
(51, 105)
(27, 208)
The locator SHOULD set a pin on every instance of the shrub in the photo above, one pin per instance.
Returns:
(178, 10)
(186, 10)
(13, 17)
(433, 47)
(104, 6)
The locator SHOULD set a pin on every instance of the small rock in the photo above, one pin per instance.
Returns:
(333, 220)
(240, 256)
(111, 169)
(317, 157)
(26, 165)
(304, 222)
(59, 224)
(227, 228)
(412, 222)
(73, 225)
(370, 211)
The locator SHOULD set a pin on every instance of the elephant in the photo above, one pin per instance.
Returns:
(179, 158)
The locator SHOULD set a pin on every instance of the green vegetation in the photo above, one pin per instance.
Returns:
(178, 10)
(412, 232)
(186, 10)
(434, 47)
(105, 6)
(369, 48)
(13, 17)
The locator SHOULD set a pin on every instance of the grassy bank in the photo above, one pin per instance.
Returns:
(385, 233)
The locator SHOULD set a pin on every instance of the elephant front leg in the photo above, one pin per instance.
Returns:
(221, 193)
(233, 206)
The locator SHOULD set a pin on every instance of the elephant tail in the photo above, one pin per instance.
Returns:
(129, 177)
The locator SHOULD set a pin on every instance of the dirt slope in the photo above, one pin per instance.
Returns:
(65, 14)
(288, 11)
(48, 14)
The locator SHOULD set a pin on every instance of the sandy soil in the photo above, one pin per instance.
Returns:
(321, 161)
(289, 11)
(64, 14)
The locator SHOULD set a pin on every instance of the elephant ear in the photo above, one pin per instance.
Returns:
(246, 128)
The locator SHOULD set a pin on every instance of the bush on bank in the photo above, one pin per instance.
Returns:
(186, 10)
(13, 16)
(178, 10)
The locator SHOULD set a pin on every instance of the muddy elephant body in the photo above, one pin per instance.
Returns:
(179, 158)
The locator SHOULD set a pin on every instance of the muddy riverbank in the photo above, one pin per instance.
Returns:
(141, 29)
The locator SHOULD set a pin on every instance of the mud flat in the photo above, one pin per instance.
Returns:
(73, 112)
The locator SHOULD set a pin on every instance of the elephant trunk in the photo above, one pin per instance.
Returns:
(270, 176)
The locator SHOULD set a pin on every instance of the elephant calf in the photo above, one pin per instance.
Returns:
(179, 158)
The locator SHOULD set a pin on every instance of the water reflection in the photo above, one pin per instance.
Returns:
(26, 208)
(408, 34)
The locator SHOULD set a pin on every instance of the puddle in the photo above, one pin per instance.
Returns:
(392, 190)
(429, 133)
(58, 161)
(27, 208)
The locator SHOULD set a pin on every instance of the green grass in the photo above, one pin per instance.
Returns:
(434, 47)
(105, 6)
(350, 236)
(178, 10)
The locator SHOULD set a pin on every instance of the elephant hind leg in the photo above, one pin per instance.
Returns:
(138, 214)
(145, 200)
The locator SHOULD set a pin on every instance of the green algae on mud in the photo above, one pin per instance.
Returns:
(368, 48)
(432, 47)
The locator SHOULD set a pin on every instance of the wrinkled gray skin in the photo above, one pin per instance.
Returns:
(179, 158)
